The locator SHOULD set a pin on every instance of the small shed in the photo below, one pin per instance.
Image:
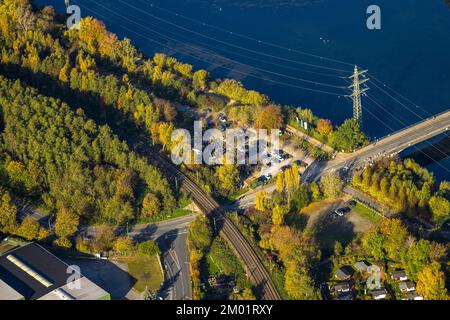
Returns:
(399, 275)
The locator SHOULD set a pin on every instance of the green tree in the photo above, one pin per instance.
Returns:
(315, 191)
(148, 248)
(262, 201)
(348, 137)
(104, 239)
(150, 205)
(331, 185)
(280, 183)
(200, 80)
(299, 284)
(278, 214)
(8, 214)
(245, 294)
(270, 117)
(199, 234)
(66, 225)
(338, 249)
(30, 229)
(228, 176)
(123, 245)
(431, 283)
(440, 207)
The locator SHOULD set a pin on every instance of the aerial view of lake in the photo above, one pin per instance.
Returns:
(302, 52)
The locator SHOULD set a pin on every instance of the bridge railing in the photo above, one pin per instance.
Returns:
(410, 126)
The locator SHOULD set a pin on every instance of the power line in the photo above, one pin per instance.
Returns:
(208, 46)
(273, 81)
(402, 123)
(206, 61)
(251, 38)
(234, 61)
(400, 95)
(390, 128)
(396, 118)
(393, 116)
(393, 98)
(230, 44)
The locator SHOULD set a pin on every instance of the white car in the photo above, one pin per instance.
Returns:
(275, 153)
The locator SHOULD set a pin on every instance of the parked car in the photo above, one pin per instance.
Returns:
(258, 183)
(342, 211)
(275, 161)
(275, 153)
(223, 119)
(284, 168)
(352, 203)
(333, 214)
(301, 163)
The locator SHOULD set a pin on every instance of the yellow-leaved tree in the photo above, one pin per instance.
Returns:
(431, 283)
(262, 201)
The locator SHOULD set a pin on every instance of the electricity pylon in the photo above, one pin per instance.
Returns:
(357, 92)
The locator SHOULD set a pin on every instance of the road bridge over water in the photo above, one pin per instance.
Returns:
(388, 146)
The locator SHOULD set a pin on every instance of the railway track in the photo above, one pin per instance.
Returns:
(255, 268)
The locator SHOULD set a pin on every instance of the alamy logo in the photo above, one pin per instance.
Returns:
(234, 146)
(73, 21)
(374, 280)
(374, 20)
(73, 281)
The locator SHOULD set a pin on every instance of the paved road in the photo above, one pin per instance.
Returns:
(26, 210)
(171, 237)
(248, 199)
(389, 146)
(310, 139)
(175, 260)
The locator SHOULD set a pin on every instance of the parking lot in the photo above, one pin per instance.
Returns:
(329, 227)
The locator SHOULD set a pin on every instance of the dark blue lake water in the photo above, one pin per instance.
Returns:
(410, 54)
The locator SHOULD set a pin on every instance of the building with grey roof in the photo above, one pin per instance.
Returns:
(31, 272)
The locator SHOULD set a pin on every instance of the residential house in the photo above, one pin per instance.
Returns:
(342, 274)
(399, 275)
(341, 287)
(407, 286)
(379, 294)
(413, 295)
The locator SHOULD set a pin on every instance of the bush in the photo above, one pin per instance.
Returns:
(148, 248)
(123, 245)
(83, 245)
